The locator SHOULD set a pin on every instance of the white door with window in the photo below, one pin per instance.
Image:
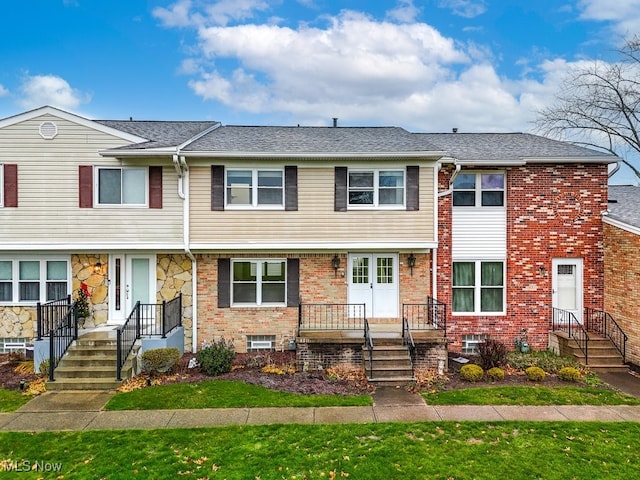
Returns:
(132, 279)
(566, 284)
(373, 281)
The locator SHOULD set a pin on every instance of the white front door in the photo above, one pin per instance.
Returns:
(566, 284)
(373, 281)
(132, 279)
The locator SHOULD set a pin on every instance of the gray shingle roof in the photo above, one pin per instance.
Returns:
(309, 140)
(624, 204)
(508, 146)
(159, 134)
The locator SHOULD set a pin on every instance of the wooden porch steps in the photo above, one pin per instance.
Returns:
(90, 364)
(390, 363)
(603, 355)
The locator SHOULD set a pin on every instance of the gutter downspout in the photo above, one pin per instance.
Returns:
(182, 169)
(453, 177)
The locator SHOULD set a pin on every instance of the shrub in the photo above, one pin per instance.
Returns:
(43, 368)
(471, 372)
(569, 374)
(216, 357)
(493, 353)
(535, 374)
(159, 360)
(545, 359)
(496, 374)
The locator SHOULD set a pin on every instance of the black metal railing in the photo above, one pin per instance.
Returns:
(51, 314)
(426, 316)
(127, 334)
(331, 316)
(147, 319)
(603, 323)
(158, 319)
(407, 339)
(565, 321)
(61, 335)
(368, 341)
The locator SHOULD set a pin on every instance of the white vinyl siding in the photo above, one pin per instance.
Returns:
(315, 221)
(49, 212)
(479, 233)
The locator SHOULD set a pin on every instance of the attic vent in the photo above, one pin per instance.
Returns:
(48, 130)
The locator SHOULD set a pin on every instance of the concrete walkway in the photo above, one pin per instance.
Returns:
(58, 411)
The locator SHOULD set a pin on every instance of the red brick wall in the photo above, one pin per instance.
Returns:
(552, 212)
(622, 285)
(319, 283)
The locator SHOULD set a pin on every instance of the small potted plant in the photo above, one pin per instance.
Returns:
(83, 310)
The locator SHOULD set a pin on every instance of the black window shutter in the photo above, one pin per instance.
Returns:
(85, 186)
(291, 188)
(413, 188)
(217, 187)
(340, 189)
(224, 283)
(293, 282)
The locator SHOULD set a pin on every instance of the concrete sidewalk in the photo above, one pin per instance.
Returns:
(59, 411)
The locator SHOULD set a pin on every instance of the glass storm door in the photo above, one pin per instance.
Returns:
(132, 280)
(566, 284)
(373, 280)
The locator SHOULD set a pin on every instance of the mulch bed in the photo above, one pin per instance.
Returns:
(9, 378)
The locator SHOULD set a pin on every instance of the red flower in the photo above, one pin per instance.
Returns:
(85, 289)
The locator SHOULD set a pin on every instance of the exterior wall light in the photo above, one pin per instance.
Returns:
(97, 268)
(335, 263)
(411, 261)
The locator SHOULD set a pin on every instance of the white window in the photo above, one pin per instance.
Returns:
(376, 188)
(478, 287)
(261, 343)
(478, 189)
(470, 343)
(32, 280)
(258, 282)
(121, 186)
(254, 188)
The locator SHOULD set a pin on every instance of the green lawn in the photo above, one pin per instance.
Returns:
(11, 400)
(224, 394)
(429, 450)
(529, 395)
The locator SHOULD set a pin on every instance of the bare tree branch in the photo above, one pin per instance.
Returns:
(599, 106)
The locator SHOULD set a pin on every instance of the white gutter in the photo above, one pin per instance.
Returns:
(455, 174)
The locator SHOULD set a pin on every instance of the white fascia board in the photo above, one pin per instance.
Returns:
(319, 155)
(146, 152)
(314, 247)
(93, 247)
(598, 159)
(490, 163)
(85, 122)
(621, 225)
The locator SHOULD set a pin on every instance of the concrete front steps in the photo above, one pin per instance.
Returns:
(603, 355)
(90, 364)
(390, 363)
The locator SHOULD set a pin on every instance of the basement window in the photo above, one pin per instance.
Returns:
(470, 343)
(261, 343)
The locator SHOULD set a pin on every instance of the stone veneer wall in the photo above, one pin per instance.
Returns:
(622, 285)
(174, 273)
(83, 271)
(18, 322)
(553, 211)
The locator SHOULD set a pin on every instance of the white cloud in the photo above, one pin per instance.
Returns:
(464, 8)
(405, 12)
(183, 13)
(623, 15)
(177, 15)
(39, 90)
(3, 91)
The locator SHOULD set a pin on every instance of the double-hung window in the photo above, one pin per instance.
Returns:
(478, 287)
(32, 280)
(376, 188)
(259, 282)
(121, 186)
(252, 188)
(478, 189)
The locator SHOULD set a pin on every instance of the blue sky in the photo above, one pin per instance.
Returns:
(430, 65)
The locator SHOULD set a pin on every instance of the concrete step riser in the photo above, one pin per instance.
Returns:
(108, 362)
(396, 382)
(386, 364)
(85, 374)
(65, 385)
(91, 351)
